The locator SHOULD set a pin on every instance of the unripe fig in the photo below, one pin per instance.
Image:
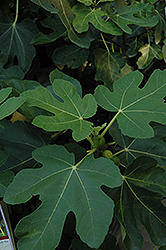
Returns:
(116, 160)
(107, 154)
(99, 142)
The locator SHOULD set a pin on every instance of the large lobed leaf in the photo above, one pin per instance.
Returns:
(85, 14)
(136, 107)
(14, 39)
(68, 114)
(64, 187)
(138, 202)
(127, 15)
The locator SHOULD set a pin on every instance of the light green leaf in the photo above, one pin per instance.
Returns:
(141, 193)
(136, 107)
(85, 14)
(67, 16)
(103, 1)
(46, 4)
(149, 52)
(64, 187)
(126, 15)
(20, 139)
(70, 54)
(161, 26)
(14, 39)
(164, 51)
(67, 115)
(11, 104)
(108, 66)
(133, 147)
(86, 2)
(52, 22)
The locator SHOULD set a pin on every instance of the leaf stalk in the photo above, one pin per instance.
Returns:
(89, 153)
(111, 122)
(17, 7)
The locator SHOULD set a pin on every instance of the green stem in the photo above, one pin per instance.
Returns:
(111, 122)
(119, 152)
(155, 247)
(90, 153)
(16, 17)
(102, 37)
(112, 46)
(148, 38)
(90, 140)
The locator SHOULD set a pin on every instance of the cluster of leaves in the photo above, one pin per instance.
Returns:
(123, 172)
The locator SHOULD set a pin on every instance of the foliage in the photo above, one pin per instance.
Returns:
(84, 150)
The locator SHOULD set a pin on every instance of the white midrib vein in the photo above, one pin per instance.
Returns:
(68, 22)
(53, 107)
(60, 197)
(139, 200)
(86, 195)
(146, 96)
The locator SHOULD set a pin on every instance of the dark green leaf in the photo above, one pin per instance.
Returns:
(6, 177)
(70, 54)
(11, 72)
(85, 14)
(138, 202)
(77, 244)
(78, 151)
(108, 66)
(10, 105)
(134, 47)
(67, 16)
(125, 15)
(67, 115)
(46, 4)
(20, 140)
(56, 74)
(133, 147)
(64, 187)
(54, 23)
(14, 39)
